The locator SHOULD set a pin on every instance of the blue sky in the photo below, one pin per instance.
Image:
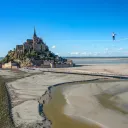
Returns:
(69, 27)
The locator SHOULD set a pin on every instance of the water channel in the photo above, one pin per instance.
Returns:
(54, 112)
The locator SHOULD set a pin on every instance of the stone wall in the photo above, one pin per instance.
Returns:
(6, 65)
(27, 46)
(69, 62)
(43, 47)
(51, 65)
(29, 41)
(9, 65)
(45, 66)
(19, 48)
(62, 65)
(37, 47)
(46, 62)
(37, 62)
(14, 67)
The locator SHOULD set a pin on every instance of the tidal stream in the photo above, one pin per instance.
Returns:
(54, 112)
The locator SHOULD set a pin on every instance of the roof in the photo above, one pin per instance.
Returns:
(19, 46)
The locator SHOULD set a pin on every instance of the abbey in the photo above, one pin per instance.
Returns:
(36, 44)
(34, 52)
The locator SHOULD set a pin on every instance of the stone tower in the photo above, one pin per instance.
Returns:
(37, 43)
(35, 39)
(34, 35)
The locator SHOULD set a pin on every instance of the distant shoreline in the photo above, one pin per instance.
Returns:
(97, 57)
(99, 60)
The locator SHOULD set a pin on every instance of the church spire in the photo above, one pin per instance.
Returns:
(34, 35)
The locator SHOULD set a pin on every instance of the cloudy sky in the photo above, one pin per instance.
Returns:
(68, 27)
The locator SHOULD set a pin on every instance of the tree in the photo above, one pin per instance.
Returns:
(28, 55)
(6, 59)
(34, 54)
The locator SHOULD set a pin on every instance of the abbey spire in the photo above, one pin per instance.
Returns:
(34, 35)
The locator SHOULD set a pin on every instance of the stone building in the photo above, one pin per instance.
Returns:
(38, 44)
(28, 45)
(10, 65)
(35, 44)
(19, 48)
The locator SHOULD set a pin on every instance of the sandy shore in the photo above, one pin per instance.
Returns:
(85, 102)
(27, 90)
(120, 69)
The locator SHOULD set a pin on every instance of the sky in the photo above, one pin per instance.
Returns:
(68, 27)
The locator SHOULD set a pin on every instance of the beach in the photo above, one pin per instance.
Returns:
(103, 103)
(26, 92)
(84, 101)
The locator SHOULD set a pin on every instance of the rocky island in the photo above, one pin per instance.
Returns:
(34, 52)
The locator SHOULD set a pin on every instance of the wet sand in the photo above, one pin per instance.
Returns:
(54, 112)
(104, 103)
(26, 91)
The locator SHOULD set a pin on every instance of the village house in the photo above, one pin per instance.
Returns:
(52, 64)
(10, 65)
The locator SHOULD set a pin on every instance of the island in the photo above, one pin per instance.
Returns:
(34, 53)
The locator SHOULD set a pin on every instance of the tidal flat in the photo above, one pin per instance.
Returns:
(25, 88)
(89, 105)
(54, 111)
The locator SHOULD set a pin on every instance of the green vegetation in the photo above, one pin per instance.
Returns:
(30, 55)
(31, 52)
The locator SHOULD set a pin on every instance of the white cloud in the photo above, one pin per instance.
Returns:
(53, 46)
(88, 53)
(74, 53)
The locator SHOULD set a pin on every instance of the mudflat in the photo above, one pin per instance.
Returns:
(102, 103)
(55, 112)
(26, 87)
(26, 91)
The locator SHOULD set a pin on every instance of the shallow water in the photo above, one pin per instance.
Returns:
(54, 112)
(109, 60)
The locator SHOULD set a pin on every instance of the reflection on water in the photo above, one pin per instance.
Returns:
(54, 112)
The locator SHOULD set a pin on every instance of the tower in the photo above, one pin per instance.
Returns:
(34, 35)
(35, 39)
(37, 43)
